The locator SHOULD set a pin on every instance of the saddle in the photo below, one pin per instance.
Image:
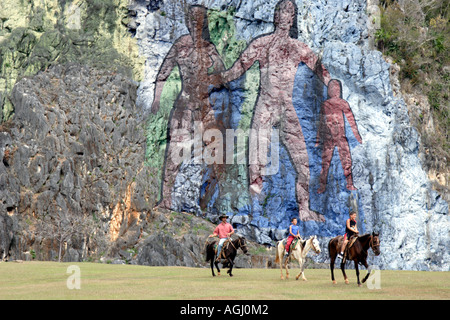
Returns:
(222, 253)
(350, 243)
(293, 244)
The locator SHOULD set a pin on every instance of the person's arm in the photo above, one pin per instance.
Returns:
(321, 124)
(355, 228)
(351, 120)
(247, 58)
(290, 231)
(215, 233)
(312, 61)
(231, 231)
(163, 74)
(218, 65)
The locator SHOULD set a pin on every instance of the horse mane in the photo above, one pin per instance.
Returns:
(364, 238)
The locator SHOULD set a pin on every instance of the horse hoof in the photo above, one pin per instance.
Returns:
(218, 273)
(359, 285)
(334, 282)
(304, 279)
(346, 281)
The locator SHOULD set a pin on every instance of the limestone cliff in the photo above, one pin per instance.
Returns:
(389, 188)
(74, 150)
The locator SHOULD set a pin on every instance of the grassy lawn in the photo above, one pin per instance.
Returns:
(48, 280)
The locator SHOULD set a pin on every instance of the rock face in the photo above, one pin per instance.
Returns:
(74, 150)
(372, 167)
(35, 34)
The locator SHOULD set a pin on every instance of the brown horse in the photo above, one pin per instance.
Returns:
(228, 250)
(357, 253)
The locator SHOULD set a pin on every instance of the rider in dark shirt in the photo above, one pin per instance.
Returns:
(350, 230)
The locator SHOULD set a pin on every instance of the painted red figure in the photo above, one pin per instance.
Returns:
(332, 133)
(279, 54)
(194, 54)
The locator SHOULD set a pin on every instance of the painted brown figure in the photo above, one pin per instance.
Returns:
(194, 55)
(332, 133)
(279, 55)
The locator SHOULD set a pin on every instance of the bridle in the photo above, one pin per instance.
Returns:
(239, 244)
(316, 250)
(374, 244)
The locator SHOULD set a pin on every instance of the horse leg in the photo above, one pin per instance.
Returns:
(231, 267)
(286, 266)
(368, 272)
(212, 267)
(302, 268)
(332, 269)
(281, 268)
(343, 272)
(357, 273)
(216, 263)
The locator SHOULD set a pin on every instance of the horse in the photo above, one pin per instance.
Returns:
(228, 250)
(357, 252)
(298, 252)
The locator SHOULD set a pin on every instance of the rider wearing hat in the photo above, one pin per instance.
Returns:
(224, 230)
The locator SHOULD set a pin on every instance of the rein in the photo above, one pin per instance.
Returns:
(239, 246)
(371, 245)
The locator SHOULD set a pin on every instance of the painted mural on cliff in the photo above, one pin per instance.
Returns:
(260, 133)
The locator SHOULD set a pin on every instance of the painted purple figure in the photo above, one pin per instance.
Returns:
(332, 133)
(279, 55)
(194, 54)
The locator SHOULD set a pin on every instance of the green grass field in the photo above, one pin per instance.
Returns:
(48, 280)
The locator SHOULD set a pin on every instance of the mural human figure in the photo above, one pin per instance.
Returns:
(332, 133)
(194, 55)
(279, 54)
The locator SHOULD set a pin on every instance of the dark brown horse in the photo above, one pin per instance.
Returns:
(357, 253)
(229, 250)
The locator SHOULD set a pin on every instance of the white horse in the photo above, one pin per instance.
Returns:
(298, 253)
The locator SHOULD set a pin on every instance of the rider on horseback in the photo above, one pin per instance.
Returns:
(294, 233)
(224, 230)
(350, 230)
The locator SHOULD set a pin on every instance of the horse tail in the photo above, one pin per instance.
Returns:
(209, 251)
(331, 243)
(277, 255)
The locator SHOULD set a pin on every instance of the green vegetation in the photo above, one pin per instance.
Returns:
(48, 280)
(416, 35)
(34, 36)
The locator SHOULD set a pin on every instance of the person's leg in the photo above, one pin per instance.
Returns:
(294, 141)
(288, 243)
(327, 154)
(219, 247)
(179, 135)
(259, 142)
(346, 161)
(344, 243)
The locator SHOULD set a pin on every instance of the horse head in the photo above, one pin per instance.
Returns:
(315, 245)
(241, 244)
(375, 243)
